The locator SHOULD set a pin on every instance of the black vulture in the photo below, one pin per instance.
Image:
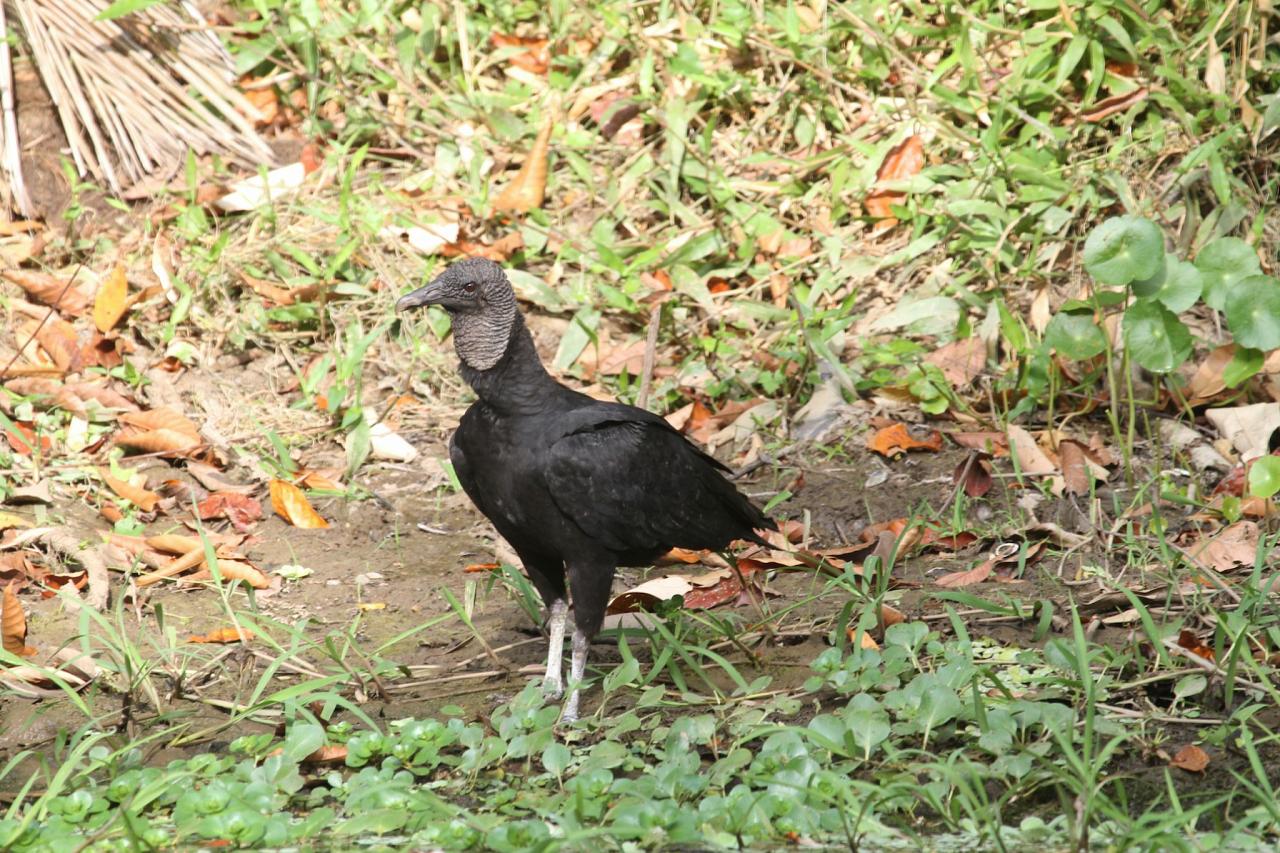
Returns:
(577, 486)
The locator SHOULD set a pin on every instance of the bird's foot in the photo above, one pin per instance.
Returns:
(570, 712)
(552, 688)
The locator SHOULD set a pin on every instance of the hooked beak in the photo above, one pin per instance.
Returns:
(433, 292)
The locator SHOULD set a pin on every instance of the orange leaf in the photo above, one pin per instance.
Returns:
(13, 625)
(903, 161)
(223, 635)
(240, 509)
(236, 570)
(1114, 104)
(292, 505)
(476, 568)
(536, 56)
(896, 439)
(1191, 758)
(145, 500)
(112, 300)
(529, 188)
(327, 755)
(978, 574)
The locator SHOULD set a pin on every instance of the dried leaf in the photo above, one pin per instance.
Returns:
(1235, 545)
(960, 361)
(479, 568)
(292, 505)
(1075, 471)
(47, 289)
(535, 57)
(140, 497)
(161, 430)
(995, 443)
(1031, 459)
(240, 509)
(977, 574)
(896, 439)
(529, 188)
(974, 474)
(903, 161)
(223, 635)
(58, 338)
(112, 300)
(13, 625)
(1114, 104)
(1207, 383)
(1191, 758)
(214, 480)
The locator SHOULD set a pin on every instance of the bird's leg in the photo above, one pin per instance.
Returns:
(577, 669)
(552, 683)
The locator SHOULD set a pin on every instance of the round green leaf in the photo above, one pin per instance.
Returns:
(1264, 476)
(1244, 363)
(1253, 312)
(1075, 334)
(1155, 337)
(1178, 285)
(1124, 249)
(1225, 262)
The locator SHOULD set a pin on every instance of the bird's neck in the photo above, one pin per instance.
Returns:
(518, 382)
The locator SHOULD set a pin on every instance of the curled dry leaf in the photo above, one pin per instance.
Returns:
(529, 187)
(240, 509)
(13, 625)
(215, 481)
(1191, 758)
(1114, 104)
(58, 338)
(66, 666)
(1031, 459)
(222, 635)
(111, 301)
(137, 495)
(896, 439)
(163, 430)
(292, 505)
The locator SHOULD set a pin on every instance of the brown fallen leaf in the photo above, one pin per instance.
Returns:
(13, 625)
(974, 474)
(960, 361)
(1191, 758)
(140, 497)
(163, 430)
(529, 187)
(1114, 104)
(1207, 383)
(292, 505)
(1235, 545)
(995, 443)
(327, 755)
(903, 161)
(479, 568)
(534, 55)
(223, 635)
(1188, 640)
(240, 509)
(1075, 470)
(977, 574)
(111, 301)
(896, 439)
(1031, 459)
(49, 290)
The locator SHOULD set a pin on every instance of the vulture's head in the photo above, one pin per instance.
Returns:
(481, 303)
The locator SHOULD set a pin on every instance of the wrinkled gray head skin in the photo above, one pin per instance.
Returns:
(481, 304)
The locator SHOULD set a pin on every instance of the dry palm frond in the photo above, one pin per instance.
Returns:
(133, 94)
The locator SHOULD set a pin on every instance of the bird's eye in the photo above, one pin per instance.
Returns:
(469, 287)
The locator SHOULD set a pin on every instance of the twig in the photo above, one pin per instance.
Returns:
(650, 345)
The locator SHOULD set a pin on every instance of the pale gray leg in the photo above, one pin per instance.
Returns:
(577, 669)
(552, 683)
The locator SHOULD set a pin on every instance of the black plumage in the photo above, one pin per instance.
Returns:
(577, 486)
